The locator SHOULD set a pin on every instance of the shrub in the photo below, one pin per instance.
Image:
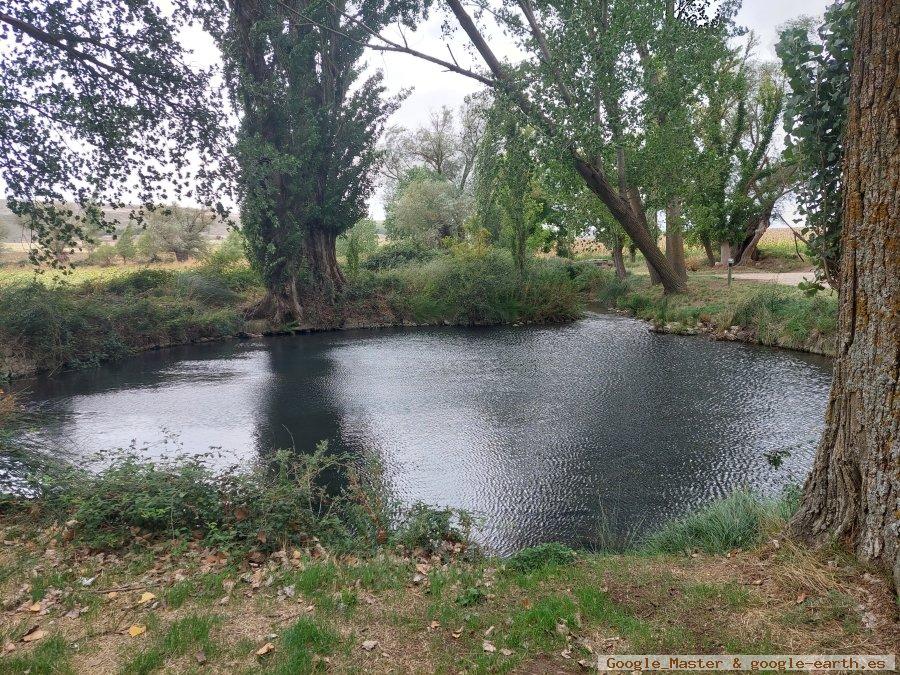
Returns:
(228, 254)
(132, 497)
(426, 527)
(398, 253)
(104, 254)
(540, 556)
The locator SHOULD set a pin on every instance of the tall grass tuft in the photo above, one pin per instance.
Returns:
(741, 520)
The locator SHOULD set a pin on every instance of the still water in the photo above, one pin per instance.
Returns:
(548, 433)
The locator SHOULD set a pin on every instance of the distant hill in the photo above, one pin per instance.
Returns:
(12, 230)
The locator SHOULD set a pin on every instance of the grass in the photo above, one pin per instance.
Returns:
(545, 609)
(740, 520)
(769, 314)
(184, 635)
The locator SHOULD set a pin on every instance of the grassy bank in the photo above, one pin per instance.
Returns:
(99, 314)
(192, 574)
(765, 313)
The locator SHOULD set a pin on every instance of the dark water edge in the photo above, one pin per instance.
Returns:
(568, 432)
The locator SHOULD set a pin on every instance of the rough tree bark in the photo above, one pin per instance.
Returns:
(708, 249)
(853, 492)
(619, 258)
(675, 238)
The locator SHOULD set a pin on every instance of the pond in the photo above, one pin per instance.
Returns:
(565, 432)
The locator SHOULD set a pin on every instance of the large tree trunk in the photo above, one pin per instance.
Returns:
(321, 256)
(707, 247)
(618, 257)
(633, 223)
(653, 230)
(853, 491)
(746, 252)
(675, 238)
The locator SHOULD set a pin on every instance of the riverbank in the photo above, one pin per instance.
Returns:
(100, 314)
(111, 574)
(757, 312)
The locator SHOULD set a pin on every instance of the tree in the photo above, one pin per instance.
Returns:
(429, 211)
(853, 490)
(93, 94)
(446, 146)
(519, 195)
(125, 244)
(306, 144)
(737, 177)
(176, 230)
(566, 86)
(818, 71)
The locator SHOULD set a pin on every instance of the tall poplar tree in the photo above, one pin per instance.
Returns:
(306, 148)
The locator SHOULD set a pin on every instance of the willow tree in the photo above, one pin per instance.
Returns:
(306, 148)
(99, 107)
(853, 492)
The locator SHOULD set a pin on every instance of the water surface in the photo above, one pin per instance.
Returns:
(549, 433)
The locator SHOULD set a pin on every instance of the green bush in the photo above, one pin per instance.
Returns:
(426, 527)
(398, 253)
(540, 556)
(133, 497)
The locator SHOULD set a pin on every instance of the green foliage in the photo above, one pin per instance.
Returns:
(306, 143)
(426, 527)
(818, 72)
(189, 633)
(104, 254)
(125, 244)
(359, 240)
(75, 326)
(118, 117)
(397, 253)
(49, 657)
(738, 521)
(470, 596)
(177, 231)
(264, 509)
(428, 211)
(229, 254)
(538, 557)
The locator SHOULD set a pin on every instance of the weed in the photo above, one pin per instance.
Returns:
(302, 646)
(734, 522)
(540, 556)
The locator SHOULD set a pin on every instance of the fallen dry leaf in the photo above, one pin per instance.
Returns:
(457, 633)
(9, 647)
(136, 630)
(488, 647)
(146, 597)
(369, 645)
(265, 649)
(506, 652)
(801, 598)
(34, 634)
(36, 607)
(435, 624)
(200, 657)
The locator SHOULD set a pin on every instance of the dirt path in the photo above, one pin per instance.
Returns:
(784, 278)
